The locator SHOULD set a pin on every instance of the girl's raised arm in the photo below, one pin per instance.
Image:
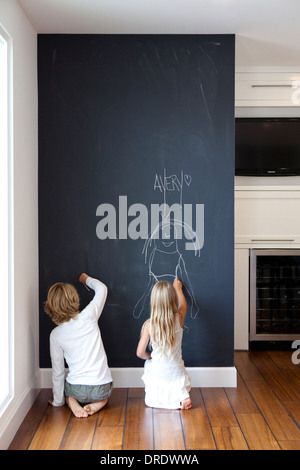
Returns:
(182, 305)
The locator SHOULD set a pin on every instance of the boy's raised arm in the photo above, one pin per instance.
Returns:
(97, 304)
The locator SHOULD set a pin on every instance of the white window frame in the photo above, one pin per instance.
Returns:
(6, 216)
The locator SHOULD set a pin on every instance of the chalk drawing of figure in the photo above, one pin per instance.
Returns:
(158, 251)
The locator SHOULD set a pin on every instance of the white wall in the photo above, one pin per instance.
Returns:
(25, 153)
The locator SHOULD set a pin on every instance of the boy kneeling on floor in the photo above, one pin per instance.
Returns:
(77, 339)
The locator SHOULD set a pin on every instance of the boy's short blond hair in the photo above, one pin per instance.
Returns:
(62, 302)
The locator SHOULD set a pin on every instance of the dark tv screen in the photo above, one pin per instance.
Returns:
(267, 146)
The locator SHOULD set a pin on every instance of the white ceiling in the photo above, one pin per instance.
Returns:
(267, 31)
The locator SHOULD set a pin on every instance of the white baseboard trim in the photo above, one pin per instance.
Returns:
(130, 377)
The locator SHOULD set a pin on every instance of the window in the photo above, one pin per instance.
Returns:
(6, 315)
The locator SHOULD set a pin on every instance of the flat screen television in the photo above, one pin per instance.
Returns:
(267, 146)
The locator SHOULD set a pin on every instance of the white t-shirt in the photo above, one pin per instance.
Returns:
(79, 342)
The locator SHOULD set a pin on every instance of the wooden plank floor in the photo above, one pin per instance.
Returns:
(262, 413)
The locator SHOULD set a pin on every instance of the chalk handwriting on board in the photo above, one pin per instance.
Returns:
(136, 220)
(171, 183)
(163, 242)
(162, 228)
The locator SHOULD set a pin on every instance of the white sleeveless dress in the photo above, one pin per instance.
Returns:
(166, 380)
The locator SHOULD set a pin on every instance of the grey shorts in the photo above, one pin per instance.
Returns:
(88, 393)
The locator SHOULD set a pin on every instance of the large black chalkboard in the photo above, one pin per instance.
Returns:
(127, 123)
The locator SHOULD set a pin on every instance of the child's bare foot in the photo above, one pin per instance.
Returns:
(186, 404)
(93, 408)
(76, 409)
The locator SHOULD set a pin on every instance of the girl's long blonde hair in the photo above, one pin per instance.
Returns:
(163, 314)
